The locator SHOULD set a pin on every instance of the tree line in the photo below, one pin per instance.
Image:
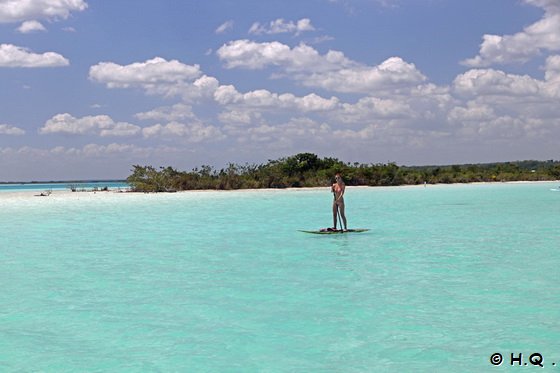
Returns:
(308, 170)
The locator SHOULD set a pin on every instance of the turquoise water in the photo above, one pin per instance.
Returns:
(15, 187)
(223, 281)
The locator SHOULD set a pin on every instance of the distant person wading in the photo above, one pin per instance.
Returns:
(338, 189)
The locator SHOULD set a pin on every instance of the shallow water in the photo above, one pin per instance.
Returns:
(223, 281)
(18, 187)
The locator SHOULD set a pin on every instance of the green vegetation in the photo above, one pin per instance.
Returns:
(308, 170)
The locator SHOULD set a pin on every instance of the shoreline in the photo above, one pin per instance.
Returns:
(113, 192)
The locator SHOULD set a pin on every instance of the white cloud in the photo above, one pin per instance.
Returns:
(205, 86)
(14, 56)
(313, 102)
(280, 26)
(238, 116)
(264, 99)
(299, 132)
(489, 81)
(157, 77)
(95, 150)
(502, 128)
(227, 94)
(226, 26)
(332, 71)
(494, 105)
(369, 108)
(552, 76)
(368, 132)
(120, 129)
(193, 132)
(105, 126)
(22, 10)
(87, 151)
(6, 129)
(522, 46)
(390, 74)
(31, 26)
(473, 112)
(101, 125)
(154, 71)
(252, 55)
(168, 113)
(553, 68)
(395, 107)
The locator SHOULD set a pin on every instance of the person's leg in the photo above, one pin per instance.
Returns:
(334, 214)
(343, 216)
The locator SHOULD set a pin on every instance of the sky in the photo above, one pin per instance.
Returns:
(89, 88)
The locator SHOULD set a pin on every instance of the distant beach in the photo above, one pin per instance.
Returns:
(86, 193)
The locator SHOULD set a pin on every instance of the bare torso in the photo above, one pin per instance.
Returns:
(338, 189)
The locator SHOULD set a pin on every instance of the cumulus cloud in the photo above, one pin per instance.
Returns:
(238, 116)
(297, 132)
(472, 112)
(192, 132)
(168, 113)
(31, 26)
(331, 71)
(496, 105)
(252, 55)
(390, 74)
(263, 98)
(544, 35)
(156, 70)
(157, 77)
(101, 125)
(370, 108)
(96, 150)
(489, 81)
(14, 56)
(552, 76)
(105, 126)
(280, 26)
(6, 129)
(394, 107)
(22, 10)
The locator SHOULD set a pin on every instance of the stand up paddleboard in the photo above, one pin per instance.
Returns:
(336, 231)
(326, 231)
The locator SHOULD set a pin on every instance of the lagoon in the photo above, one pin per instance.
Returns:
(50, 186)
(223, 281)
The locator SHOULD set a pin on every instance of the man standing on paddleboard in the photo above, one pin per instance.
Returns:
(338, 189)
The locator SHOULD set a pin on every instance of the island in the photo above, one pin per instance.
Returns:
(309, 170)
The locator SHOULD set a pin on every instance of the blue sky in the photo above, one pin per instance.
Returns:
(91, 87)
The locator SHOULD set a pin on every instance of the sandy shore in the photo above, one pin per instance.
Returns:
(67, 194)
